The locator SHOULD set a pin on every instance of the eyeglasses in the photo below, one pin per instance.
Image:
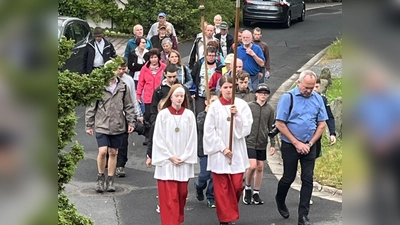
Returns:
(211, 55)
(171, 76)
(263, 93)
(143, 42)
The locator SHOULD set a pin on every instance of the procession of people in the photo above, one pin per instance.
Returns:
(213, 111)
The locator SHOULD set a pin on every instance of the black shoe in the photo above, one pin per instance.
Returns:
(257, 200)
(146, 141)
(246, 196)
(303, 220)
(199, 193)
(282, 209)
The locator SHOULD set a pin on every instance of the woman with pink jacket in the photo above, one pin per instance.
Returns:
(150, 77)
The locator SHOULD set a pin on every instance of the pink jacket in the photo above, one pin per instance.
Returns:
(148, 82)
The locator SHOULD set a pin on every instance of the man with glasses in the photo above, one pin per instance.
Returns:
(252, 57)
(300, 118)
(199, 79)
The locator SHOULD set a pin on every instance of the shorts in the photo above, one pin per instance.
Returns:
(257, 154)
(112, 141)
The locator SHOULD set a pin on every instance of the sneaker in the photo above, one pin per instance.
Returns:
(246, 196)
(257, 200)
(110, 184)
(100, 183)
(120, 172)
(158, 208)
(311, 201)
(199, 193)
(211, 203)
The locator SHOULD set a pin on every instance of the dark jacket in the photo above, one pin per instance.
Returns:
(88, 59)
(196, 72)
(246, 95)
(133, 66)
(331, 125)
(193, 57)
(265, 50)
(229, 41)
(263, 119)
(201, 117)
(156, 42)
(159, 93)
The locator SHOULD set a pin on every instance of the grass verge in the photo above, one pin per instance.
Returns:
(335, 90)
(335, 50)
(328, 167)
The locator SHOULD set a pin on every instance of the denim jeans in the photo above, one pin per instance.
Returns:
(253, 84)
(290, 160)
(205, 176)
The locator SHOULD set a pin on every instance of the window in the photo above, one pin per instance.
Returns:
(80, 33)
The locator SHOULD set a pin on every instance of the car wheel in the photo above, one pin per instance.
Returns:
(246, 23)
(303, 15)
(288, 20)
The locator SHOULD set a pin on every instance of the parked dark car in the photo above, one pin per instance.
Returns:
(79, 31)
(273, 11)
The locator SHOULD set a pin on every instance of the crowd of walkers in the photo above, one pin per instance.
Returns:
(167, 101)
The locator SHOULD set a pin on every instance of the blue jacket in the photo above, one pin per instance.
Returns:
(131, 45)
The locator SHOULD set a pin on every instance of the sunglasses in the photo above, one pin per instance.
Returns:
(171, 76)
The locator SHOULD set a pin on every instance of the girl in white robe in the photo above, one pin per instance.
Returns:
(174, 154)
(227, 176)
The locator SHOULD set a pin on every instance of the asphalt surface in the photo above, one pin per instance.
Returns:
(135, 200)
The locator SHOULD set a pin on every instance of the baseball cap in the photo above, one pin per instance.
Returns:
(263, 88)
(161, 26)
(224, 25)
(162, 15)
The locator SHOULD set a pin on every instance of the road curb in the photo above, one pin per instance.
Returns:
(324, 6)
(275, 162)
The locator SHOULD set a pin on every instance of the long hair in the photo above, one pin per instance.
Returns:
(179, 57)
(168, 101)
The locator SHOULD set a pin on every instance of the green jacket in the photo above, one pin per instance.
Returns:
(263, 119)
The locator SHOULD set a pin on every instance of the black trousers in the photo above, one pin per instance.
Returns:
(290, 160)
(122, 156)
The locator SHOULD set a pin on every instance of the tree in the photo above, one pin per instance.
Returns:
(74, 90)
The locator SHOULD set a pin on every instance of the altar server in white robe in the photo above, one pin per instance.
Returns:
(227, 177)
(174, 154)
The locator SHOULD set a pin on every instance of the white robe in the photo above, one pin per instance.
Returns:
(168, 143)
(216, 137)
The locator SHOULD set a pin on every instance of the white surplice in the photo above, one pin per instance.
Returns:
(216, 137)
(168, 143)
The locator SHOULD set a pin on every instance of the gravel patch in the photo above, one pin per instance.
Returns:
(334, 65)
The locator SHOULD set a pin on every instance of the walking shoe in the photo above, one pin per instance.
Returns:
(120, 172)
(211, 203)
(199, 193)
(158, 208)
(257, 200)
(311, 201)
(303, 220)
(110, 184)
(246, 196)
(100, 183)
(282, 208)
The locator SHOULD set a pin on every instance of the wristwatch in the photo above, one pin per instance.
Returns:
(310, 144)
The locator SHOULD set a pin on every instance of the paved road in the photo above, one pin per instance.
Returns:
(134, 201)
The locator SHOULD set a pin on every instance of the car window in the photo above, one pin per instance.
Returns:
(69, 33)
(80, 33)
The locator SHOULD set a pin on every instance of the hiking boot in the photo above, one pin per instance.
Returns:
(257, 200)
(120, 172)
(211, 203)
(100, 183)
(246, 196)
(199, 193)
(110, 184)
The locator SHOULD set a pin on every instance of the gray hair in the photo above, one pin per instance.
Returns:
(305, 73)
(165, 41)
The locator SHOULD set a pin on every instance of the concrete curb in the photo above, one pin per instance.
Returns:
(275, 162)
(322, 5)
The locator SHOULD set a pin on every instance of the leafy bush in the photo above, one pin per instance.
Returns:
(74, 90)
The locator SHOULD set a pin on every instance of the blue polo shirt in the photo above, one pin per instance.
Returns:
(249, 64)
(302, 121)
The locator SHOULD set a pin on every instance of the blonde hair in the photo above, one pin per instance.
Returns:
(161, 103)
(169, 30)
(179, 57)
(168, 101)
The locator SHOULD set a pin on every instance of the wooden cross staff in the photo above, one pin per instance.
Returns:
(202, 8)
(234, 74)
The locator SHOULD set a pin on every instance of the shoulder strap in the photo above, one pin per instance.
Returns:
(291, 102)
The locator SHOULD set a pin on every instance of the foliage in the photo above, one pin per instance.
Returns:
(183, 14)
(321, 1)
(74, 90)
(335, 50)
(335, 90)
(328, 167)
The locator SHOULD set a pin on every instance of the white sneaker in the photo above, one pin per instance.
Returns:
(311, 201)
(158, 209)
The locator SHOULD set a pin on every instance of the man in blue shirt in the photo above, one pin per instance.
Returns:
(252, 57)
(301, 126)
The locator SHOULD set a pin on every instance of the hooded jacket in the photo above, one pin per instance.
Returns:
(111, 114)
(90, 51)
(263, 119)
(246, 95)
